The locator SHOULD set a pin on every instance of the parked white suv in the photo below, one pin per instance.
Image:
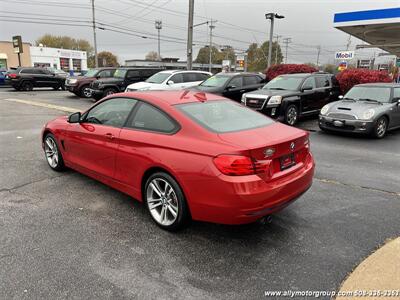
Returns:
(170, 80)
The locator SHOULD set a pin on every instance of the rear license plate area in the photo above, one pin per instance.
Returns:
(287, 161)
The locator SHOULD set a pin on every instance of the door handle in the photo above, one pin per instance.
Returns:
(110, 136)
(242, 91)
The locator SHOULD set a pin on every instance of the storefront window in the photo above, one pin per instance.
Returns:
(76, 64)
(64, 63)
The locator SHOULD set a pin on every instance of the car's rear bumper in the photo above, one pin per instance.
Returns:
(341, 125)
(245, 199)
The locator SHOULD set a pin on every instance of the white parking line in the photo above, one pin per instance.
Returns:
(46, 105)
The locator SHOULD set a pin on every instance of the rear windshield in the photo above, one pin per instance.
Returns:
(224, 116)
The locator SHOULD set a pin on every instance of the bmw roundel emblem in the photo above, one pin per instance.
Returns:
(292, 145)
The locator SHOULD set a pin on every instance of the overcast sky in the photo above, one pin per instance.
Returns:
(308, 23)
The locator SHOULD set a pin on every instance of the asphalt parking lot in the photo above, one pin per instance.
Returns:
(64, 235)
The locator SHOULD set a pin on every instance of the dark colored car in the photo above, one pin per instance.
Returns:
(186, 155)
(372, 108)
(2, 76)
(80, 85)
(289, 97)
(121, 79)
(26, 79)
(231, 85)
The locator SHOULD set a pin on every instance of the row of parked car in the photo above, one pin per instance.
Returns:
(371, 108)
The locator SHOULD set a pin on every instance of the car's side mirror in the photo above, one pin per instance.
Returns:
(340, 97)
(307, 88)
(74, 118)
(170, 82)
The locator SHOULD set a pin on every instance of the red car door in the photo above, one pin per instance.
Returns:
(93, 143)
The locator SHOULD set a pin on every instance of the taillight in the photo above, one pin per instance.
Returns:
(237, 165)
(12, 75)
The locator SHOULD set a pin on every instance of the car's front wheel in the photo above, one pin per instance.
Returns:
(53, 155)
(85, 92)
(291, 115)
(165, 202)
(380, 127)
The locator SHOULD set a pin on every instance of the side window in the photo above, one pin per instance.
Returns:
(177, 78)
(133, 74)
(189, 77)
(310, 81)
(113, 112)
(148, 117)
(201, 76)
(106, 73)
(322, 81)
(28, 71)
(251, 80)
(236, 82)
(396, 93)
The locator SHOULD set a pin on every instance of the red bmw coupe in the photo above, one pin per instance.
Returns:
(186, 155)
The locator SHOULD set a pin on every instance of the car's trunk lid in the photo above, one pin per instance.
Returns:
(283, 147)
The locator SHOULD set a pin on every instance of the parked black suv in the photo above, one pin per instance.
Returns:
(26, 79)
(289, 97)
(121, 79)
(231, 85)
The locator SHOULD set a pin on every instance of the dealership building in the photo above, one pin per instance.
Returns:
(63, 59)
(378, 28)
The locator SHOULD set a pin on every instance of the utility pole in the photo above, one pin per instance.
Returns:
(96, 63)
(271, 16)
(286, 41)
(276, 48)
(319, 51)
(158, 25)
(348, 43)
(190, 36)
(211, 29)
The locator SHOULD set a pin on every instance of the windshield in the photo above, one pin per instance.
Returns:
(362, 93)
(283, 83)
(120, 73)
(215, 81)
(158, 78)
(91, 73)
(224, 116)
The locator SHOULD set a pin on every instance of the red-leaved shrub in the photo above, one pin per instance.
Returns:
(349, 78)
(277, 70)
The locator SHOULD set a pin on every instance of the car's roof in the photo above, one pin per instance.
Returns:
(182, 71)
(380, 84)
(303, 74)
(231, 74)
(172, 97)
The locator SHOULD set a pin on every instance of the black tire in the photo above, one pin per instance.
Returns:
(173, 199)
(380, 128)
(109, 91)
(26, 86)
(84, 91)
(291, 115)
(49, 139)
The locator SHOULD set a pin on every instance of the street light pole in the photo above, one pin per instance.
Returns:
(271, 16)
(96, 63)
(158, 25)
(210, 49)
(190, 36)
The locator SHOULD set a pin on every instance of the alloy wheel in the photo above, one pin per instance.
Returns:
(291, 115)
(51, 151)
(381, 126)
(162, 201)
(86, 92)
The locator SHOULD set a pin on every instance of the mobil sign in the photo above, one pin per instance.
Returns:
(343, 55)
